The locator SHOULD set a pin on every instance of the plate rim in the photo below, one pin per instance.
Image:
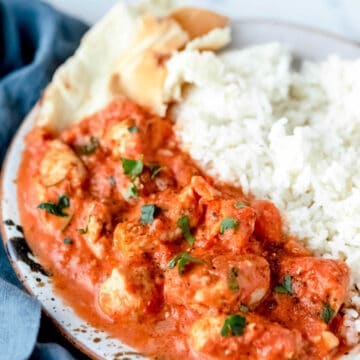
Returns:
(32, 114)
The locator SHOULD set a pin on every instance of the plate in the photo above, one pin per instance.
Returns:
(305, 43)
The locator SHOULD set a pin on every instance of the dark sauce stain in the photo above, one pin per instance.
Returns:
(19, 249)
(19, 228)
(9, 222)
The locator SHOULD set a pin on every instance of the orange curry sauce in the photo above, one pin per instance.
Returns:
(164, 257)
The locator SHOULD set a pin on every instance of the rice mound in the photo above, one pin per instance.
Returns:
(289, 136)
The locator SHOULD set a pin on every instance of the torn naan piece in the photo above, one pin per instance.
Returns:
(125, 55)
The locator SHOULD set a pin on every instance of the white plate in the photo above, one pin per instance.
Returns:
(305, 44)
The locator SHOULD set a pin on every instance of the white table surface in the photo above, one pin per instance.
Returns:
(338, 16)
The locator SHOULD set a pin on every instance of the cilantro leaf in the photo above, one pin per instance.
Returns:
(327, 313)
(285, 287)
(63, 201)
(67, 241)
(184, 224)
(181, 260)
(148, 213)
(56, 209)
(232, 280)
(243, 308)
(132, 168)
(155, 171)
(234, 325)
(228, 223)
(240, 205)
(132, 191)
(133, 129)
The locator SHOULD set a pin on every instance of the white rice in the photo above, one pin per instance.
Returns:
(291, 137)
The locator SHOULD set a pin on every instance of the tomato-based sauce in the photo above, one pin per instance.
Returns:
(143, 244)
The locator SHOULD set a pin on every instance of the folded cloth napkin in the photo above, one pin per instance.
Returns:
(34, 40)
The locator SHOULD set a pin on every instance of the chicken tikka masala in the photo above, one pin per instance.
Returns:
(143, 244)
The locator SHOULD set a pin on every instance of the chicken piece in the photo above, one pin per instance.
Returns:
(206, 191)
(124, 140)
(52, 222)
(60, 163)
(152, 182)
(174, 206)
(317, 281)
(318, 289)
(260, 339)
(234, 238)
(221, 283)
(96, 220)
(131, 290)
(132, 238)
(268, 225)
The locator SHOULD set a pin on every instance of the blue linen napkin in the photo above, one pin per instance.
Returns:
(34, 40)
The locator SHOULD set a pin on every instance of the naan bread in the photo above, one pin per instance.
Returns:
(125, 55)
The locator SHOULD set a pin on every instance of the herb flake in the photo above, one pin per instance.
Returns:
(184, 224)
(148, 213)
(232, 280)
(233, 326)
(155, 171)
(181, 260)
(133, 129)
(228, 223)
(243, 308)
(56, 209)
(131, 192)
(67, 241)
(132, 168)
(240, 205)
(327, 313)
(286, 287)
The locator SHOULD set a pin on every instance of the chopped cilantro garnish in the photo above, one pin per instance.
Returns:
(132, 168)
(228, 223)
(181, 260)
(327, 313)
(56, 209)
(233, 283)
(132, 191)
(243, 308)
(133, 129)
(234, 325)
(148, 213)
(155, 171)
(285, 287)
(67, 241)
(240, 205)
(184, 224)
